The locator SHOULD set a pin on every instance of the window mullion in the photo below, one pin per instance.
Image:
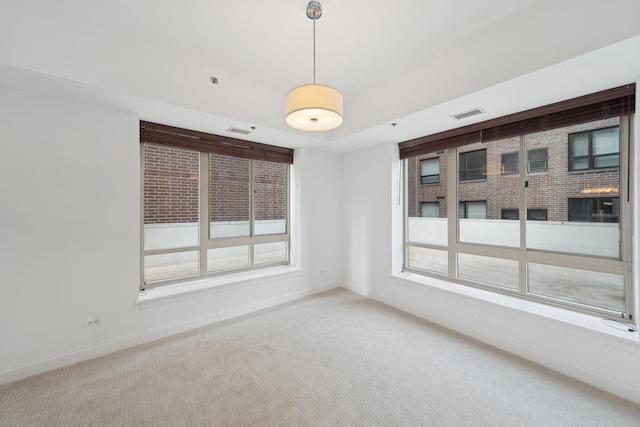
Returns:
(452, 210)
(251, 212)
(522, 185)
(203, 214)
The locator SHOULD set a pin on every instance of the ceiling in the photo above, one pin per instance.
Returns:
(409, 62)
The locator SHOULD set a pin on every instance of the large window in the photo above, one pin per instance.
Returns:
(595, 149)
(207, 213)
(572, 249)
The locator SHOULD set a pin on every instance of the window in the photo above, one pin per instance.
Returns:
(210, 213)
(536, 214)
(430, 171)
(430, 209)
(532, 214)
(510, 214)
(473, 165)
(596, 149)
(576, 248)
(602, 209)
(473, 210)
(510, 163)
(537, 160)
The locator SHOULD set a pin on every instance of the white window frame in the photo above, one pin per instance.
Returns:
(204, 223)
(523, 255)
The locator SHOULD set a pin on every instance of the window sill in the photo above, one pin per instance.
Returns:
(584, 321)
(181, 291)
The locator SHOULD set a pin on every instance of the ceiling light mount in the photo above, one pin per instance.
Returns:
(314, 10)
(314, 107)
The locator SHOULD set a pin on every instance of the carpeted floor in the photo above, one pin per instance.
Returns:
(333, 359)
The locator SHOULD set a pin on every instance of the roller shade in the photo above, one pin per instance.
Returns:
(601, 105)
(209, 143)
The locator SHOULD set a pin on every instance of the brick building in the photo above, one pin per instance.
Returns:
(171, 187)
(572, 175)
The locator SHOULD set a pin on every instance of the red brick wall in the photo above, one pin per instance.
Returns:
(171, 187)
(549, 190)
(170, 184)
(229, 190)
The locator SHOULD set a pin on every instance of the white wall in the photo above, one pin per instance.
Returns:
(372, 228)
(70, 237)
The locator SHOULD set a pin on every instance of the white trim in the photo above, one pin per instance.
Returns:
(167, 294)
(86, 353)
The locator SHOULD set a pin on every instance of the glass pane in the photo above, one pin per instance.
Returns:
(430, 166)
(606, 161)
(580, 145)
(580, 164)
(229, 198)
(430, 210)
(170, 197)
(169, 266)
(576, 222)
(586, 287)
(227, 258)
(269, 252)
(428, 259)
(422, 229)
(493, 271)
(481, 202)
(606, 141)
(270, 193)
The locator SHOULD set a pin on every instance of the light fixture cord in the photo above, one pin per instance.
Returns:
(314, 50)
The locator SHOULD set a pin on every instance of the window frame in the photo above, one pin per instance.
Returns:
(529, 161)
(511, 167)
(205, 242)
(590, 157)
(482, 169)
(600, 264)
(422, 177)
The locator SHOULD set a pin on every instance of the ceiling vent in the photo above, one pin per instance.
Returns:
(240, 131)
(467, 114)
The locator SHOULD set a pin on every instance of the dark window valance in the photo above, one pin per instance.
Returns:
(601, 105)
(210, 143)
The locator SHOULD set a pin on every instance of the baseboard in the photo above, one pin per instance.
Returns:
(566, 367)
(358, 290)
(105, 348)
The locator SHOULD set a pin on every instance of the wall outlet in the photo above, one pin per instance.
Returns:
(92, 322)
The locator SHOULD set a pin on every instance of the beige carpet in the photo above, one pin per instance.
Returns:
(334, 359)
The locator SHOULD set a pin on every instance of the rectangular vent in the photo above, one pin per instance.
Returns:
(467, 114)
(240, 131)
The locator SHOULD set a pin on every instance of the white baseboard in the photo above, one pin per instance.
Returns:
(105, 348)
(566, 367)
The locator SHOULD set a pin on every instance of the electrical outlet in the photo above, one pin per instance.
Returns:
(92, 322)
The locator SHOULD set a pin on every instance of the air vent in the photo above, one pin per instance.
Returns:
(467, 114)
(240, 131)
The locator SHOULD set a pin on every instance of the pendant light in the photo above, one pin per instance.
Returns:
(314, 107)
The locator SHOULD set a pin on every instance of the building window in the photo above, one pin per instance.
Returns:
(473, 210)
(510, 164)
(430, 171)
(596, 149)
(537, 160)
(430, 209)
(510, 214)
(473, 165)
(536, 214)
(601, 209)
(532, 214)
(208, 214)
